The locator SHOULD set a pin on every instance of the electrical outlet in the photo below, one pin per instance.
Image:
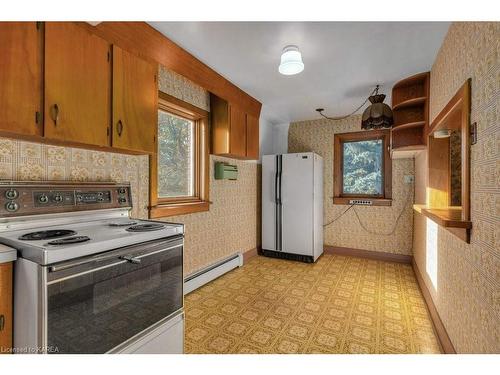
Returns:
(409, 179)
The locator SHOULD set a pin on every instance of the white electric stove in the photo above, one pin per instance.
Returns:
(90, 279)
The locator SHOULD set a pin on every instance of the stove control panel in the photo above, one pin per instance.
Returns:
(91, 197)
(28, 198)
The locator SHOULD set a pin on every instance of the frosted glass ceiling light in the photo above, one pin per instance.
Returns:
(442, 133)
(291, 61)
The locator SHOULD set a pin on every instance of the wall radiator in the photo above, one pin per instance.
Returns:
(207, 274)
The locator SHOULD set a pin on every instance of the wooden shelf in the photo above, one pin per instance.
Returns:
(408, 125)
(410, 81)
(410, 103)
(448, 217)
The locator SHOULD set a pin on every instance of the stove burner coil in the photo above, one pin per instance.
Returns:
(46, 234)
(122, 224)
(69, 240)
(145, 227)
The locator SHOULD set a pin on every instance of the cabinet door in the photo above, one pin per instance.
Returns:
(238, 132)
(77, 85)
(135, 97)
(252, 137)
(20, 78)
(5, 307)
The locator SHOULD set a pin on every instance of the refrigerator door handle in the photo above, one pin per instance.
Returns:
(276, 199)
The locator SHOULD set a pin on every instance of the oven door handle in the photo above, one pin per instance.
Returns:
(123, 259)
(124, 255)
(131, 259)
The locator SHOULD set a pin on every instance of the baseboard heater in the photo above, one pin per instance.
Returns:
(207, 274)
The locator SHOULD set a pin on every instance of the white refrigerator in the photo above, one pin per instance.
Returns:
(292, 206)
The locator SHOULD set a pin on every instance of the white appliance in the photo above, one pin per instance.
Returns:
(89, 279)
(292, 206)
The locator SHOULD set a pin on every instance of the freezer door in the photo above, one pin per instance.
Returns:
(269, 197)
(297, 203)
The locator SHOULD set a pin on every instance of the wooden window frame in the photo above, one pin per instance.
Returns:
(384, 199)
(164, 207)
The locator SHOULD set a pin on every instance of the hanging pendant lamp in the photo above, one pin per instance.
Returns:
(378, 115)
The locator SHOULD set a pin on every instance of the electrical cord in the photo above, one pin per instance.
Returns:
(393, 230)
(338, 217)
(320, 110)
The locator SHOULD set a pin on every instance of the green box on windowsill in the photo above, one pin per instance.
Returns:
(225, 171)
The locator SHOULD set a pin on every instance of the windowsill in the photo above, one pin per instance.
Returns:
(174, 209)
(374, 201)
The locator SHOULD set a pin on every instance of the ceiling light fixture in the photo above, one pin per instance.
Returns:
(291, 61)
(378, 115)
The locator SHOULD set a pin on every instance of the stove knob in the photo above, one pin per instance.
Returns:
(122, 200)
(122, 191)
(11, 194)
(11, 206)
(43, 198)
(58, 198)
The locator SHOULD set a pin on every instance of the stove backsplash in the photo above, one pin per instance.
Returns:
(28, 161)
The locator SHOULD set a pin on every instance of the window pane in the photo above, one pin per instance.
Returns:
(175, 156)
(363, 167)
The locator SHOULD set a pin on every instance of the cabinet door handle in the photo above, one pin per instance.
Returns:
(55, 114)
(2, 322)
(119, 128)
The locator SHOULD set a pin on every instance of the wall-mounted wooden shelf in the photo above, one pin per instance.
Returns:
(448, 217)
(413, 102)
(415, 124)
(410, 106)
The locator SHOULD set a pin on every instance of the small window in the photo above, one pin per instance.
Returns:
(362, 167)
(176, 157)
(179, 168)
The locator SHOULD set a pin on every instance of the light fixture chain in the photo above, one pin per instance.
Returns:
(374, 91)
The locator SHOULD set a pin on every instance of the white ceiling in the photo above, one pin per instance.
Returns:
(343, 60)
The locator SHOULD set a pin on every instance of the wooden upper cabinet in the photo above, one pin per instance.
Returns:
(21, 78)
(135, 102)
(5, 307)
(234, 132)
(238, 132)
(252, 137)
(77, 85)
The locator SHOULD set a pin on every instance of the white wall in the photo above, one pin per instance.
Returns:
(280, 138)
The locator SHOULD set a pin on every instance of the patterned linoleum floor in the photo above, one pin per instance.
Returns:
(338, 305)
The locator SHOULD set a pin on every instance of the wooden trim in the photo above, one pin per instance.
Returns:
(6, 302)
(175, 209)
(369, 254)
(144, 40)
(439, 328)
(338, 140)
(455, 115)
(185, 109)
(249, 254)
(162, 207)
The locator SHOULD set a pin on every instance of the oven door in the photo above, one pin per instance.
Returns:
(97, 303)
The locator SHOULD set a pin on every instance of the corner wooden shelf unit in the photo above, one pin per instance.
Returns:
(410, 106)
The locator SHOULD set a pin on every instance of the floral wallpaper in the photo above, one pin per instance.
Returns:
(232, 223)
(317, 136)
(466, 291)
(28, 161)
(182, 88)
